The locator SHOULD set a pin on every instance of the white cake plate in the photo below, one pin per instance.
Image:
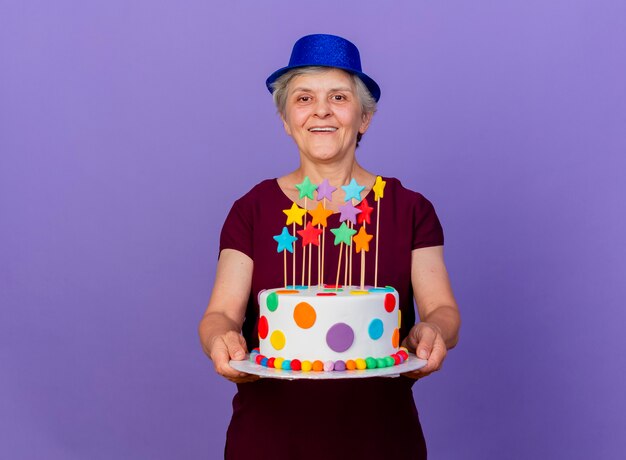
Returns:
(247, 366)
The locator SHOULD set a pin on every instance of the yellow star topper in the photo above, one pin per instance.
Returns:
(295, 214)
(379, 188)
(320, 214)
(362, 240)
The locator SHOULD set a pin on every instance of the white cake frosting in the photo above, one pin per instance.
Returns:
(329, 324)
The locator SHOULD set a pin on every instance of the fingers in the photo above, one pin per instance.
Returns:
(425, 341)
(226, 347)
(236, 345)
(428, 343)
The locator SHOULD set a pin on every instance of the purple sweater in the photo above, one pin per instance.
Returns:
(352, 418)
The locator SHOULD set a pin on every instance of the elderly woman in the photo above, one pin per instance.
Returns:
(326, 104)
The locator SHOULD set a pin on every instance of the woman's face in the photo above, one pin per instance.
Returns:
(323, 115)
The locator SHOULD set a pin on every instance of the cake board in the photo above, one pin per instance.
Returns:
(247, 366)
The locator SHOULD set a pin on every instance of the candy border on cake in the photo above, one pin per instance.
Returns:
(329, 366)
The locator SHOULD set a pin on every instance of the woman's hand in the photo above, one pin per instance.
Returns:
(427, 342)
(226, 347)
(221, 323)
(438, 329)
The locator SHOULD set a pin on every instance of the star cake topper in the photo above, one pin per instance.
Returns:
(366, 211)
(310, 235)
(306, 188)
(362, 240)
(294, 214)
(348, 212)
(320, 214)
(325, 190)
(379, 188)
(285, 241)
(353, 190)
(343, 234)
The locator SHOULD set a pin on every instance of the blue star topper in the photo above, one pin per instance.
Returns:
(353, 190)
(285, 241)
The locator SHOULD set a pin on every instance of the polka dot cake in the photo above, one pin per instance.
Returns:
(328, 328)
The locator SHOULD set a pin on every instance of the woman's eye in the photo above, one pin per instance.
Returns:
(304, 98)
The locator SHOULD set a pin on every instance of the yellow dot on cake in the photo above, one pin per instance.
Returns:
(277, 339)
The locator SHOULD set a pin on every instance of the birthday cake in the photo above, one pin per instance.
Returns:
(329, 328)
(324, 327)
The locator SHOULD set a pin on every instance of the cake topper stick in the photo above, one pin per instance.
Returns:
(319, 257)
(345, 271)
(350, 271)
(353, 192)
(379, 192)
(362, 244)
(362, 270)
(364, 218)
(294, 214)
(294, 259)
(310, 235)
(339, 267)
(306, 189)
(343, 235)
(362, 259)
(324, 192)
(285, 243)
(303, 249)
(309, 280)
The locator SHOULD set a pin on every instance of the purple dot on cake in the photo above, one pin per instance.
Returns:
(340, 337)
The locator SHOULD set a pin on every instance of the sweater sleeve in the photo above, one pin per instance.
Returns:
(238, 227)
(427, 230)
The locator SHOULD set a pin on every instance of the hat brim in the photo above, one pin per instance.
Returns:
(370, 84)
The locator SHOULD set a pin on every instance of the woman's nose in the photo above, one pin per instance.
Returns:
(322, 108)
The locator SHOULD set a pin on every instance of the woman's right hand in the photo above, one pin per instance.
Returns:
(221, 324)
(226, 347)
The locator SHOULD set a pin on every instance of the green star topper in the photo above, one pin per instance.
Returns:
(343, 234)
(306, 188)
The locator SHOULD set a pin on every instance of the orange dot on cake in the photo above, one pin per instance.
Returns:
(395, 338)
(304, 315)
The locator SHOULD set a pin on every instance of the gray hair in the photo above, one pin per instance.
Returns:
(281, 85)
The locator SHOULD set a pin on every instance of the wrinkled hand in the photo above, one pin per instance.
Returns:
(226, 347)
(426, 341)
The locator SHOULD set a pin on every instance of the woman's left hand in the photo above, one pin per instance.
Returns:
(427, 342)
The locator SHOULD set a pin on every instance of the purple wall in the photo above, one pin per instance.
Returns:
(124, 131)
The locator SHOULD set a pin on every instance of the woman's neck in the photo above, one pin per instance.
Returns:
(338, 173)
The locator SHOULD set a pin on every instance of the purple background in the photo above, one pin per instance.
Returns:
(127, 128)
